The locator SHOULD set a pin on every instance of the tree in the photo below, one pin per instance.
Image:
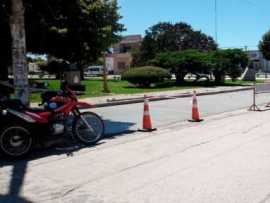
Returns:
(77, 31)
(5, 41)
(220, 63)
(19, 66)
(264, 45)
(183, 62)
(165, 36)
(231, 62)
(55, 66)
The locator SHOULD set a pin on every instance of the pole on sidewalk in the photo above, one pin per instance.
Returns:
(254, 106)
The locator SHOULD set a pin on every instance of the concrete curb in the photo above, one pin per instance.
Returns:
(160, 98)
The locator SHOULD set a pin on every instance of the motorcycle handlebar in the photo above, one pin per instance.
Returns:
(68, 92)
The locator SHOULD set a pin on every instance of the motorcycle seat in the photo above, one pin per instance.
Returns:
(13, 104)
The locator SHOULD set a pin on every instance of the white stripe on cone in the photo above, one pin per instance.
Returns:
(146, 113)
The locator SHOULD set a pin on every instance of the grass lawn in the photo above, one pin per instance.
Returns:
(94, 87)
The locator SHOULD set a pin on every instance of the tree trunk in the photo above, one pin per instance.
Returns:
(82, 73)
(19, 66)
(180, 77)
(219, 77)
(106, 88)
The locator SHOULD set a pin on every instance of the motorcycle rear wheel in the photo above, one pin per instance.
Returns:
(83, 133)
(15, 141)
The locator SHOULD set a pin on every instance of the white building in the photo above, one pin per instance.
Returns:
(259, 61)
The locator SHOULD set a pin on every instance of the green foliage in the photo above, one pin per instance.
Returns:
(145, 76)
(55, 66)
(264, 45)
(231, 62)
(220, 63)
(164, 37)
(76, 30)
(183, 62)
(5, 41)
(136, 58)
(94, 88)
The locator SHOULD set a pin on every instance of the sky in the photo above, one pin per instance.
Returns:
(239, 22)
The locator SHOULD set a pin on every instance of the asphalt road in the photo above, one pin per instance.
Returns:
(124, 118)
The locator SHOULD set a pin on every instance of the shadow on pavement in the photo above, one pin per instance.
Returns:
(15, 185)
(65, 145)
(116, 128)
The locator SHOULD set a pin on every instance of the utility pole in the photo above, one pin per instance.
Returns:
(216, 21)
(19, 65)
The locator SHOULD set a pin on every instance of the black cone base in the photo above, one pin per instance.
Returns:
(147, 130)
(196, 121)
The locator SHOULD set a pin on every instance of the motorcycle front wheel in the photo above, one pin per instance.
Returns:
(88, 127)
(15, 141)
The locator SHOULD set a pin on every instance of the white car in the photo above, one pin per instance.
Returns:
(94, 71)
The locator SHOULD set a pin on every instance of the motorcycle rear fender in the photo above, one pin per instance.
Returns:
(21, 115)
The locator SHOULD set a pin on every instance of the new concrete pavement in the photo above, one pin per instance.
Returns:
(224, 159)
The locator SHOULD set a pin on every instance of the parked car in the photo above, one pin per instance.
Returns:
(93, 71)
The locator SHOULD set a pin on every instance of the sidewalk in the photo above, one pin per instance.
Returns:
(122, 99)
(224, 159)
(113, 100)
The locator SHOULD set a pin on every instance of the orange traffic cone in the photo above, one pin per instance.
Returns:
(195, 110)
(147, 124)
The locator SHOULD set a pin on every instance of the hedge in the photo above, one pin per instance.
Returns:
(145, 76)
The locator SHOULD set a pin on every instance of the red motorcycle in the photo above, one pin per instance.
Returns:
(23, 127)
